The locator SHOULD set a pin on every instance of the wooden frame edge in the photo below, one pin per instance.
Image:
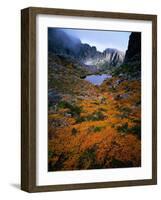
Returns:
(85, 186)
(154, 98)
(28, 100)
(24, 100)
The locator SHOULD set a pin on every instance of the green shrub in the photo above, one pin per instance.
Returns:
(136, 129)
(74, 110)
(59, 164)
(50, 154)
(80, 119)
(87, 159)
(96, 116)
(93, 117)
(63, 104)
(97, 129)
(123, 128)
(125, 110)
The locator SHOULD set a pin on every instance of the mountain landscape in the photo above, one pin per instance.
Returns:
(60, 43)
(94, 104)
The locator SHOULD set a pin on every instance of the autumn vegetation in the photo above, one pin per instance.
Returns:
(93, 127)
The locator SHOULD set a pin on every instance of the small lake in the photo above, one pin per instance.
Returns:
(97, 79)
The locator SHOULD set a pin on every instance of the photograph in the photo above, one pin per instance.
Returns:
(94, 99)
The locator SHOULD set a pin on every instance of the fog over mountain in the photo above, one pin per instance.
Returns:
(61, 43)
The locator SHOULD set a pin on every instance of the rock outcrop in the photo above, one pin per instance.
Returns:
(131, 66)
(133, 53)
(114, 56)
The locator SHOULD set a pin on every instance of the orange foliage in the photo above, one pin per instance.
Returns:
(99, 143)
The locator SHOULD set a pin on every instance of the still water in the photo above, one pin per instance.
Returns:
(97, 79)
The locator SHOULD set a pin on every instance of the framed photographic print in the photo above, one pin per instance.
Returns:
(89, 99)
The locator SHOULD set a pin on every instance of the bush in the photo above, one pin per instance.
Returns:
(96, 116)
(123, 128)
(63, 104)
(80, 119)
(59, 164)
(74, 131)
(96, 128)
(50, 154)
(134, 130)
(74, 110)
(87, 159)
(125, 112)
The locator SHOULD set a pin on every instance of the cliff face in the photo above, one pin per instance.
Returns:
(131, 67)
(133, 53)
(114, 56)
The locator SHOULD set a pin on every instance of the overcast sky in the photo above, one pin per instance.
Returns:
(102, 39)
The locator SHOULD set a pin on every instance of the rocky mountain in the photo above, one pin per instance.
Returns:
(114, 56)
(109, 57)
(60, 43)
(131, 66)
(133, 53)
